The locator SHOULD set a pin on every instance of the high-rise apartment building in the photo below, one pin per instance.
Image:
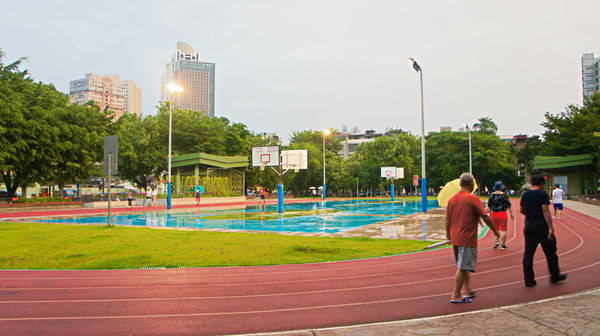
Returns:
(197, 79)
(590, 76)
(120, 96)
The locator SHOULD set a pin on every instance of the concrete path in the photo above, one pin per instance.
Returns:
(577, 314)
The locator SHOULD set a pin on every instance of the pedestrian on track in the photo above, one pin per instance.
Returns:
(539, 230)
(557, 201)
(499, 205)
(462, 218)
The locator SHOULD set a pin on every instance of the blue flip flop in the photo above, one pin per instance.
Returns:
(464, 300)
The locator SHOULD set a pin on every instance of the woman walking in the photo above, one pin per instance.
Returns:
(499, 205)
(130, 199)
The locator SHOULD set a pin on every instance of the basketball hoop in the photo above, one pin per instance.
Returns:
(262, 166)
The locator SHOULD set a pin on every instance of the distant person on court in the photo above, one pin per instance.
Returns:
(262, 195)
(557, 201)
(462, 217)
(314, 193)
(154, 196)
(499, 205)
(148, 197)
(538, 231)
(198, 194)
(130, 199)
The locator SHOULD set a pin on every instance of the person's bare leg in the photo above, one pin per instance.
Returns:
(558, 214)
(467, 283)
(459, 280)
(503, 237)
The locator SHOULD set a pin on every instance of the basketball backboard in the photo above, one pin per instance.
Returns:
(294, 159)
(400, 172)
(266, 156)
(388, 172)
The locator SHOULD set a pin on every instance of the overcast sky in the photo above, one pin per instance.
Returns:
(283, 66)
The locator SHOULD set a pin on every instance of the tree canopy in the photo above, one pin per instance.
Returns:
(575, 131)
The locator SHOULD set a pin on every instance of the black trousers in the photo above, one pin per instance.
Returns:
(533, 238)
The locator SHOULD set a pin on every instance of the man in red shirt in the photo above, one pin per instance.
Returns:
(462, 218)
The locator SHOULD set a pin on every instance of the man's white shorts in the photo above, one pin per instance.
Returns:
(466, 258)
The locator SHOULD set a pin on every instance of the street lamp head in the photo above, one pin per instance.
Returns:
(414, 64)
(174, 88)
(326, 131)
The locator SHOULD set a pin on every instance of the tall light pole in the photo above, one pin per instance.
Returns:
(418, 69)
(326, 132)
(173, 89)
(470, 152)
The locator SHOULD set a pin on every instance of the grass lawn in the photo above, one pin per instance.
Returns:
(54, 246)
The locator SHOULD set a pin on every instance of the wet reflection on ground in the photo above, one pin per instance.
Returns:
(418, 226)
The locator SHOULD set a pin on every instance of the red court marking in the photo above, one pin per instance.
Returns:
(230, 300)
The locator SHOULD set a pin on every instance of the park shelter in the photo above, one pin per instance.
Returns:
(221, 176)
(575, 173)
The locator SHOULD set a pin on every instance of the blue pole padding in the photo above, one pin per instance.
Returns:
(324, 192)
(169, 195)
(424, 194)
(393, 193)
(280, 198)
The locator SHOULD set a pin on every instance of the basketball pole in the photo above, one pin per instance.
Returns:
(280, 189)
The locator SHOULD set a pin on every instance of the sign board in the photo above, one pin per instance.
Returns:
(416, 180)
(111, 146)
(388, 172)
(266, 156)
(400, 172)
(294, 159)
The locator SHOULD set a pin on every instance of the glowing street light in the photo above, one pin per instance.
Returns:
(173, 89)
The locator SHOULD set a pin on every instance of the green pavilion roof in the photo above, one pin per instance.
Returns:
(554, 162)
(210, 160)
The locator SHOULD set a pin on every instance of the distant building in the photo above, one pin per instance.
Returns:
(108, 91)
(271, 136)
(197, 79)
(352, 140)
(446, 128)
(590, 76)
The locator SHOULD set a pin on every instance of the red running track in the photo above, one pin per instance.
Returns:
(209, 301)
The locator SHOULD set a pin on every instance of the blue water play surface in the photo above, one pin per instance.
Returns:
(349, 215)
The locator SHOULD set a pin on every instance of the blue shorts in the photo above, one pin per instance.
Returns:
(558, 206)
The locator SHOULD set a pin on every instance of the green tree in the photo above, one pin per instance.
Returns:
(142, 157)
(400, 151)
(525, 155)
(485, 125)
(448, 157)
(44, 138)
(575, 131)
(80, 139)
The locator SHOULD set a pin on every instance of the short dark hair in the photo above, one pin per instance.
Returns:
(538, 180)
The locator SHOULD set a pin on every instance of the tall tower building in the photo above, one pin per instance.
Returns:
(107, 91)
(590, 76)
(197, 79)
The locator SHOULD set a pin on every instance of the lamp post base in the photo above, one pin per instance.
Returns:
(169, 195)
(424, 194)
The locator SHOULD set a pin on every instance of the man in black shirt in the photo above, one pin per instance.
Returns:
(538, 231)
